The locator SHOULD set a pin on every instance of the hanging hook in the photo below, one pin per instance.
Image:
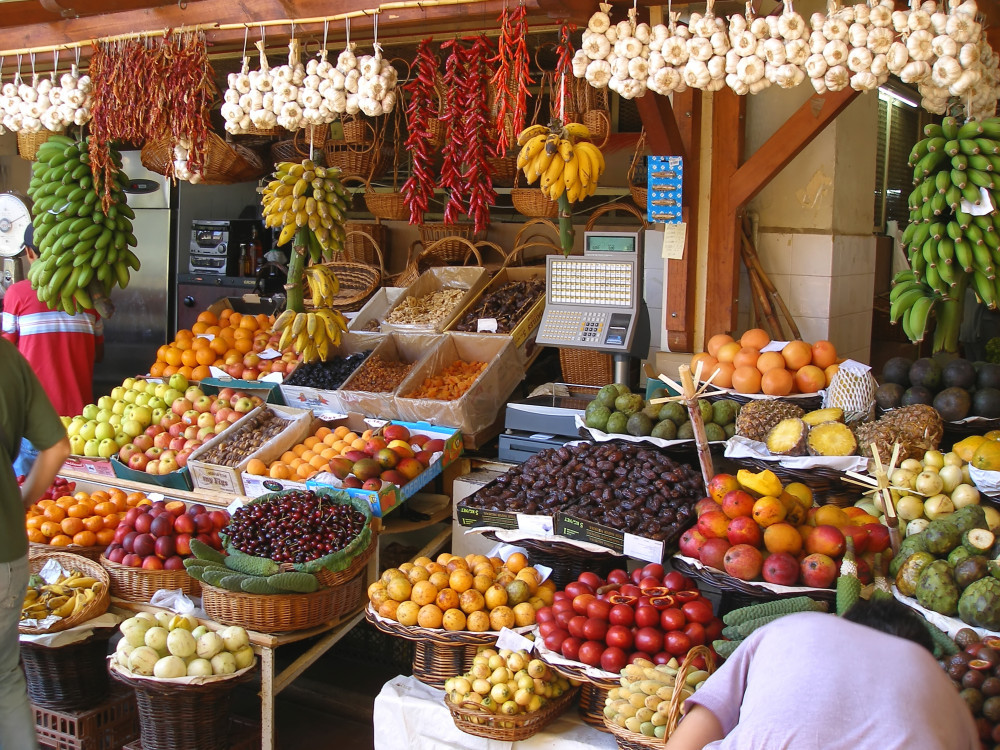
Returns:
(31, 56)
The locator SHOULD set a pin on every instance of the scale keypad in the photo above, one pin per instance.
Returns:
(574, 325)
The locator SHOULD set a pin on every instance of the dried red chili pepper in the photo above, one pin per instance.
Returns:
(512, 76)
(478, 135)
(454, 146)
(419, 187)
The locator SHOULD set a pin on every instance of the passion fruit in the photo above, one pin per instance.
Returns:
(990, 655)
(991, 709)
(974, 678)
(966, 637)
(980, 664)
(990, 686)
(973, 699)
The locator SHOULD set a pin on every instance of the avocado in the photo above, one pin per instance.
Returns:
(685, 432)
(988, 375)
(897, 370)
(665, 430)
(927, 373)
(639, 425)
(889, 396)
(917, 394)
(597, 419)
(953, 403)
(714, 433)
(617, 424)
(607, 396)
(986, 402)
(673, 411)
(959, 373)
(724, 411)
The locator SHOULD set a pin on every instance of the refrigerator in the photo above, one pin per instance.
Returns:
(143, 309)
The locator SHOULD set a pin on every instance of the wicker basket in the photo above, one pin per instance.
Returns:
(358, 129)
(473, 719)
(224, 164)
(443, 252)
(358, 281)
(437, 654)
(598, 122)
(91, 553)
(828, 486)
(139, 585)
(284, 612)
(87, 567)
(639, 191)
(388, 206)
(316, 135)
(532, 202)
(586, 367)
(297, 148)
(363, 239)
(68, 678)
(743, 590)
(593, 691)
(174, 716)
(628, 740)
(355, 160)
(332, 578)
(28, 143)
(504, 169)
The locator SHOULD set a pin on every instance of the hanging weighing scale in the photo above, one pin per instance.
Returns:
(592, 301)
(14, 219)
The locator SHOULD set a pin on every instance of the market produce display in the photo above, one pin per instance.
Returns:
(52, 103)
(505, 683)
(236, 571)
(740, 623)
(506, 305)
(246, 439)
(83, 244)
(60, 487)
(981, 451)
(67, 595)
(617, 410)
(642, 702)
(322, 326)
(561, 158)
(451, 383)
(975, 670)
(955, 387)
(159, 535)
(85, 519)
(474, 593)
(328, 375)
(743, 365)
(610, 622)
(380, 375)
(168, 646)
(950, 247)
(624, 486)
(426, 310)
(818, 433)
(754, 528)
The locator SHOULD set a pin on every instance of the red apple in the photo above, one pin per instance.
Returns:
(177, 443)
(153, 430)
(127, 451)
(191, 431)
(138, 462)
(206, 419)
(190, 417)
(142, 442)
(744, 530)
(227, 393)
(182, 457)
(177, 429)
(154, 452)
(132, 560)
(219, 403)
(180, 406)
(162, 441)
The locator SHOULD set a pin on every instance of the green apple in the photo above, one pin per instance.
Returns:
(171, 395)
(73, 428)
(119, 407)
(160, 389)
(76, 445)
(122, 439)
(104, 415)
(88, 430)
(90, 411)
(158, 414)
(156, 402)
(107, 448)
(118, 393)
(178, 382)
(90, 448)
(115, 420)
(142, 399)
(140, 386)
(105, 402)
(104, 431)
(132, 427)
(142, 414)
(130, 396)
(127, 383)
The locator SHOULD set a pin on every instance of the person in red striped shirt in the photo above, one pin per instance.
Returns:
(60, 348)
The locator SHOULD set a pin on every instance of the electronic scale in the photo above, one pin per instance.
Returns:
(592, 301)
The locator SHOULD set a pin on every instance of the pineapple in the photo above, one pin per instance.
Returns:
(788, 437)
(757, 417)
(916, 428)
(831, 439)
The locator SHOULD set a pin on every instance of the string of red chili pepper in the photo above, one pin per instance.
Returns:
(189, 89)
(478, 135)
(453, 116)
(564, 64)
(418, 190)
(512, 76)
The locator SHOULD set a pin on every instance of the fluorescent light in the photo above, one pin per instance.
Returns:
(886, 94)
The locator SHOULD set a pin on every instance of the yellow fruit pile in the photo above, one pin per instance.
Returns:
(64, 597)
(982, 451)
(474, 592)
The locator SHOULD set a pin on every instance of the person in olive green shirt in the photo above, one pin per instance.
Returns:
(25, 412)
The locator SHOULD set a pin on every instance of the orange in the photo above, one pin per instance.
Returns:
(190, 357)
(80, 510)
(249, 323)
(111, 521)
(45, 503)
(201, 372)
(708, 364)
(92, 523)
(173, 356)
(35, 522)
(55, 513)
(104, 508)
(156, 369)
(161, 353)
(755, 337)
(187, 371)
(214, 330)
(81, 495)
(264, 321)
(769, 361)
(168, 371)
(199, 328)
(36, 536)
(65, 502)
(99, 496)
(279, 471)
(205, 355)
(830, 372)
(218, 345)
(257, 467)
(748, 355)
(207, 317)
(200, 343)
(516, 562)
(717, 342)
(50, 528)
(234, 319)
(133, 498)
(824, 354)
(85, 539)
(243, 346)
(797, 354)
(184, 333)
(746, 379)
(61, 540)
(810, 379)
(727, 352)
(777, 382)
(105, 536)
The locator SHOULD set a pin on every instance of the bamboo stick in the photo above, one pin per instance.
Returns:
(694, 411)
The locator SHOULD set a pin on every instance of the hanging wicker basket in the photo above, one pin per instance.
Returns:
(225, 163)
(29, 143)
(639, 192)
(391, 206)
(447, 251)
(358, 281)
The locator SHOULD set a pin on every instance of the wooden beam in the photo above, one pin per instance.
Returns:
(798, 131)
(662, 132)
(722, 278)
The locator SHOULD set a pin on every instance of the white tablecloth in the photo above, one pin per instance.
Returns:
(411, 714)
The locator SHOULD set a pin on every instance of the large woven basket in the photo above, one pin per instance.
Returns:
(285, 612)
(504, 170)
(388, 206)
(443, 252)
(473, 719)
(86, 566)
(598, 122)
(586, 367)
(224, 164)
(91, 553)
(28, 143)
(358, 281)
(68, 678)
(174, 716)
(361, 240)
(355, 160)
(628, 740)
(530, 201)
(139, 584)
(742, 590)
(593, 691)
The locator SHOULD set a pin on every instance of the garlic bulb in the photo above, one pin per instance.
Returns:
(897, 57)
(915, 71)
(918, 44)
(944, 46)
(599, 23)
(580, 63)
(880, 39)
(837, 78)
(945, 71)
(790, 24)
(598, 73)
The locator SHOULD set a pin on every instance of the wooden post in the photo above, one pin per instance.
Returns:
(697, 424)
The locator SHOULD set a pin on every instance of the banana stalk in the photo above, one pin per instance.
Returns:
(566, 232)
(296, 283)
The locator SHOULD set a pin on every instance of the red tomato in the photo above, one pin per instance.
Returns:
(672, 619)
(576, 588)
(619, 636)
(647, 616)
(544, 628)
(677, 643)
(544, 614)
(621, 614)
(654, 570)
(713, 630)
(571, 647)
(613, 659)
(699, 611)
(595, 629)
(696, 632)
(580, 602)
(618, 576)
(563, 618)
(649, 640)
(597, 608)
(591, 579)
(675, 581)
(590, 653)
(575, 626)
(661, 658)
(562, 605)
(555, 639)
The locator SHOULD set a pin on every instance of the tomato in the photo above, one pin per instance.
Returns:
(646, 616)
(672, 619)
(619, 636)
(544, 628)
(713, 630)
(613, 659)
(621, 614)
(562, 605)
(598, 608)
(649, 640)
(590, 653)
(576, 588)
(594, 629)
(699, 611)
(649, 583)
(635, 576)
(562, 618)
(580, 602)
(575, 626)
(653, 570)
(591, 579)
(618, 576)
(571, 647)
(661, 658)
(677, 643)
(555, 639)
(696, 632)
(629, 589)
(675, 581)
(544, 614)
(556, 596)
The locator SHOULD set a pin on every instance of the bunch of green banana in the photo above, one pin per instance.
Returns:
(948, 246)
(560, 158)
(310, 196)
(83, 251)
(311, 334)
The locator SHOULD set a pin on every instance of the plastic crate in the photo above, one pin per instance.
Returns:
(109, 726)
(245, 734)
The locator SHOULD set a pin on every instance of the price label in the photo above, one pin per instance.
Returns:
(235, 505)
(272, 377)
(642, 548)
(375, 423)
(535, 524)
(514, 641)
(269, 354)
(217, 373)
(674, 236)
(773, 346)
(155, 497)
(486, 325)
(330, 416)
(985, 205)
(207, 336)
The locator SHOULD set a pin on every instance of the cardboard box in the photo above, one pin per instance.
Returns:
(471, 279)
(97, 466)
(622, 543)
(208, 476)
(461, 542)
(175, 480)
(390, 495)
(477, 409)
(526, 330)
(396, 347)
(327, 402)
(375, 310)
(270, 392)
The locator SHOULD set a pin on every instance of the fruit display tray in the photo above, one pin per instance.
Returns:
(468, 715)
(754, 592)
(106, 727)
(139, 584)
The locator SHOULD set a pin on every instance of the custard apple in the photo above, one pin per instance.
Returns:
(937, 589)
(980, 603)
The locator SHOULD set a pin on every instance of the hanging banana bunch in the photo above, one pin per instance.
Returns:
(307, 196)
(953, 238)
(311, 334)
(561, 159)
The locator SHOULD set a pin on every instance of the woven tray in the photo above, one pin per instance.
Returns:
(91, 553)
(86, 566)
(726, 583)
(567, 561)
(955, 432)
(586, 367)
(628, 740)
(593, 692)
(519, 727)
(330, 578)
(504, 170)
(174, 716)
(139, 584)
(280, 613)
(68, 678)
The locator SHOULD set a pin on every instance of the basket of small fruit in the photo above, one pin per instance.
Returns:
(506, 695)
(67, 520)
(183, 675)
(151, 544)
(662, 688)
(453, 605)
(64, 590)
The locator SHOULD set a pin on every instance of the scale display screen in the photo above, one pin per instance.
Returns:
(611, 242)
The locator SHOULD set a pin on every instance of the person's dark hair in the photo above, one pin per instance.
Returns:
(892, 617)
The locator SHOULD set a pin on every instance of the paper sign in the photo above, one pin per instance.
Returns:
(486, 325)
(543, 572)
(642, 548)
(375, 423)
(985, 204)
(235, 505)
(535, 524)
(330, 416)
(154, 497)
(207, 336)
(217, 373)
(674, 236)
(514, 641)
(272, 377)
(773, 346)
(269, 354)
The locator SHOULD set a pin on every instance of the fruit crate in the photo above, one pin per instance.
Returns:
(106, 727)
(245, 735)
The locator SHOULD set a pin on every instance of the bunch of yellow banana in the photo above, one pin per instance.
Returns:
(561, 159)
(323, 284)
(311, 334)
(61, 599)
(310, 196)
(82, 251)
